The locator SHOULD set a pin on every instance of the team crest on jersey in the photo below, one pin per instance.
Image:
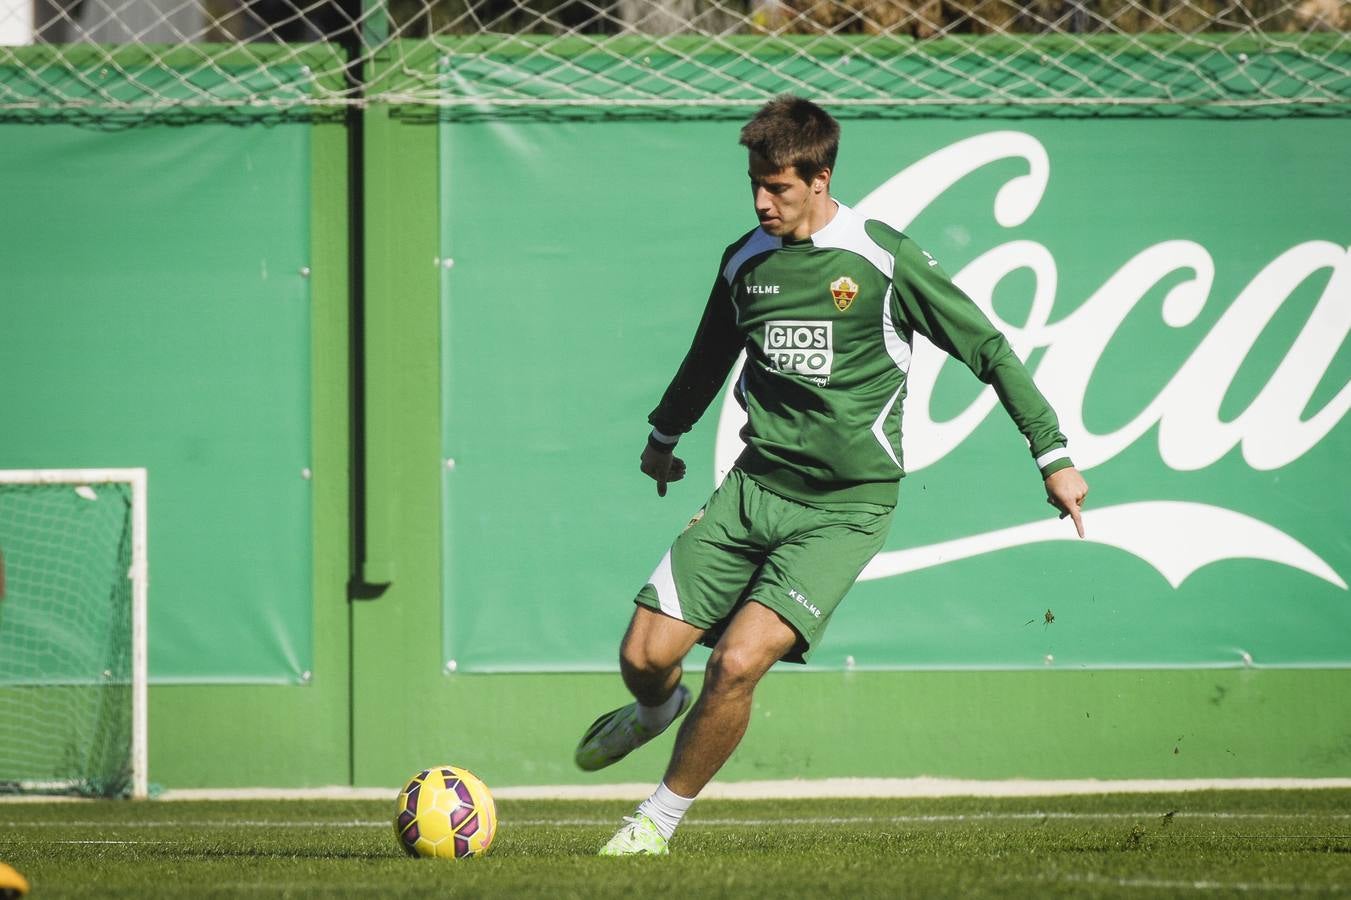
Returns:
(843, 290)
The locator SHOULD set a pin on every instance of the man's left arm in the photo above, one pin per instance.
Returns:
(934, 306)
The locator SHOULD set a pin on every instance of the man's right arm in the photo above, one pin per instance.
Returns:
(717, 342)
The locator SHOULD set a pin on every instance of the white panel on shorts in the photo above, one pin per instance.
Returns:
(664, 583)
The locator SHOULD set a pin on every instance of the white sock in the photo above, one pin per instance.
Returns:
(665, 808)
(655, 718)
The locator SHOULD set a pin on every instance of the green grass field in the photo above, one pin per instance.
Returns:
(1216, 844)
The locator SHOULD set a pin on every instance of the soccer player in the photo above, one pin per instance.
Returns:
(825, 303)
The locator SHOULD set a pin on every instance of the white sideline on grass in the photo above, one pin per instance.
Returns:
(789, 789)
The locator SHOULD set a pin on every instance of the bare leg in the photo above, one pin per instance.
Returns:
(651, 654)
(755, 640)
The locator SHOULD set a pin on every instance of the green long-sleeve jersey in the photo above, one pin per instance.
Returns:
(827, 325)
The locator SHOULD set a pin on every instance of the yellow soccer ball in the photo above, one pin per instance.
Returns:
(445, 812)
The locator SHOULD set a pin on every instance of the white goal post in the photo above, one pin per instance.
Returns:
(83, 483)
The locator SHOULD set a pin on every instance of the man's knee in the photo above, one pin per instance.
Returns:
(736, 667)
(655, 644)
(643, 659)
(757, 638)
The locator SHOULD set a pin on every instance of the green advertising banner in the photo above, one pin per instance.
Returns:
(1181, 290)
(154, 313)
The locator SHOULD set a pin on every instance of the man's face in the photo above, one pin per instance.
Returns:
(782, 199)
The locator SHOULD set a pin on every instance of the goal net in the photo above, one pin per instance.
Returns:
(72, 632)
(674, 57)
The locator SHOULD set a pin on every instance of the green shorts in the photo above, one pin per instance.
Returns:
(749, 543)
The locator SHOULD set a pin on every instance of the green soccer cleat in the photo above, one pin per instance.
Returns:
(638, 837)
(618, 733)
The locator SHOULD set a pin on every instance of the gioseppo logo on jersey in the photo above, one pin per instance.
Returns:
(803, 348)
(843, 291)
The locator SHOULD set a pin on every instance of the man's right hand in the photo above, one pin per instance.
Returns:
(661, 467)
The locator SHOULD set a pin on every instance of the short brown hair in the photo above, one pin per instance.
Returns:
(793, 131)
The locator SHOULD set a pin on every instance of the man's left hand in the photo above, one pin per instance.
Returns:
(1066, 490)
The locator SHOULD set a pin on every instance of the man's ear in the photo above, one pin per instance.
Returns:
(821, 181)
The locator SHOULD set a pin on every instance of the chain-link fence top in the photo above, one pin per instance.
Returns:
(682, 57)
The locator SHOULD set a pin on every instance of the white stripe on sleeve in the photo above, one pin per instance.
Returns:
(1051, 456)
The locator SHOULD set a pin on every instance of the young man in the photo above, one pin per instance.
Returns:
(825, 304)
